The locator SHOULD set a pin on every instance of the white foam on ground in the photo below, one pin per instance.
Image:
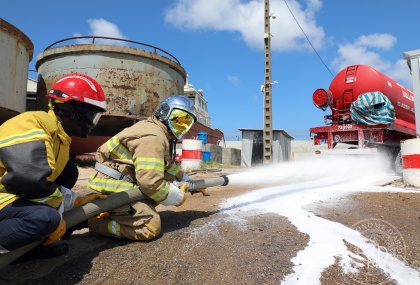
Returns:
(301, 183)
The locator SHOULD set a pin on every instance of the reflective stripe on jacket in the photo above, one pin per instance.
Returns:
(34, 149)
(140, 152)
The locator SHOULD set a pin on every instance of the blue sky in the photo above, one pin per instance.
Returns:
(220, 45)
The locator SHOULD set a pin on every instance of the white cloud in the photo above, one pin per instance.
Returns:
(383, 41)
(401, 72)
(247, 19)
(234, 79)
(353, 53)
(365, 50)
(103, 28)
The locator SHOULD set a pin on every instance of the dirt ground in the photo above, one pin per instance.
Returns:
(201, 244)
(398, 214)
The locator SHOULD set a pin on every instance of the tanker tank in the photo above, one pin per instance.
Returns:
(354, 80)
(134, 80)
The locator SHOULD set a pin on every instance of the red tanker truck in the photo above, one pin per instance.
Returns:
(370, 112)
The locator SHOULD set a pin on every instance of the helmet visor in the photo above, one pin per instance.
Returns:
(180, 122)
(93, 117)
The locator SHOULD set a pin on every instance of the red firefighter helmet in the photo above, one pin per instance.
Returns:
(78, 87)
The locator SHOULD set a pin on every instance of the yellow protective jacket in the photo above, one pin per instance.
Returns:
(34, 149)
(140, 152)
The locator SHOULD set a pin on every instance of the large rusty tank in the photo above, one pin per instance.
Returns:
(16, 51)
(134, 80)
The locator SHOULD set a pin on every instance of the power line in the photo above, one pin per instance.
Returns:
(308, 39)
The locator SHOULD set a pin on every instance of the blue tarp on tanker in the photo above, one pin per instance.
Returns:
(372, 108)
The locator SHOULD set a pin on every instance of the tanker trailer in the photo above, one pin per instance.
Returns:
(369, 111)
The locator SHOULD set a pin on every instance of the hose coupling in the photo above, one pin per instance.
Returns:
(226, 182)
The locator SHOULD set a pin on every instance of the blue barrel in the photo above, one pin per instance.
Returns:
(206, 155)
(203, 137)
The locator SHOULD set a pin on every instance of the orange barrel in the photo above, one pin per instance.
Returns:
(410, 155)
(192, 154)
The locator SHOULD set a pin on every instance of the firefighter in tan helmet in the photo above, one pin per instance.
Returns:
(139, 157)
(36, 174)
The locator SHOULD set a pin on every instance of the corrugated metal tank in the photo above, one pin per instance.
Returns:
(16, 51)
(134, 80)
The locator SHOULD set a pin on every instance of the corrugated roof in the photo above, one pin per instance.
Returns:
(274, 130)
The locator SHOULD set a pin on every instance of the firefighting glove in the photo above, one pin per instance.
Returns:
(72, 200)
(176, 196)
(100, 216)
(190, 188)
(57, 233)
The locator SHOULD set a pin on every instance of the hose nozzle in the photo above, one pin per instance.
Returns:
(208, 182)
(226, 180)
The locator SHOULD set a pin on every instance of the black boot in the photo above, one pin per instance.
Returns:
(43, 252)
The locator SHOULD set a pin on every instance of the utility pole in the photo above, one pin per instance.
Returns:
(266, 88)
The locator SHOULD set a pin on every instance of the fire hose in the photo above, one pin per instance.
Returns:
(94, 208)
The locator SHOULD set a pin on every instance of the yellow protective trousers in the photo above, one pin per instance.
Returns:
(138, 221)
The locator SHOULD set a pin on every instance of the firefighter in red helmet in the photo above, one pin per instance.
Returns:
(36, 174)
